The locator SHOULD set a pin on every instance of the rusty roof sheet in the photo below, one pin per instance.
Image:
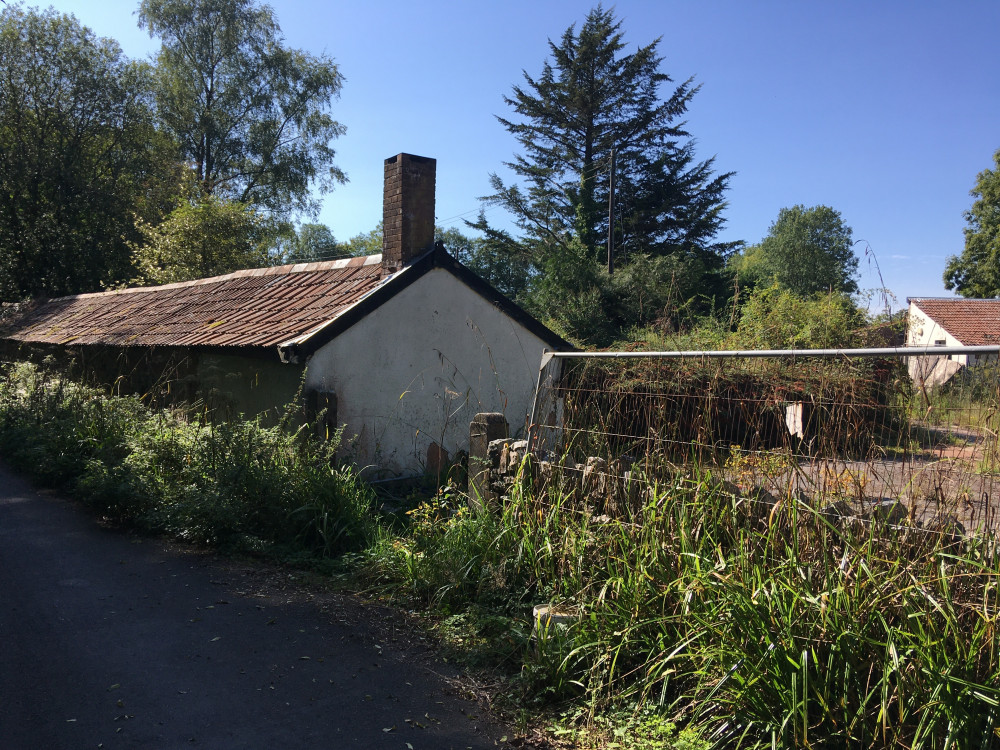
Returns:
(259, 307)
(974, 322)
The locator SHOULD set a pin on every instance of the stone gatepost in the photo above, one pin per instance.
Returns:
(485, 428)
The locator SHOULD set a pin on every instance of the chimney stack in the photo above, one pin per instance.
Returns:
(407, 210)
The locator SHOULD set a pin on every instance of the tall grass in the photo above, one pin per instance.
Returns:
(235, 484)
(763, 629)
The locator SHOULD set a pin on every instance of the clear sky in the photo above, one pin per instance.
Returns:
(885, 111)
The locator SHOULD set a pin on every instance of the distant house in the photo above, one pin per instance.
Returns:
(949, 322)
(403, 348)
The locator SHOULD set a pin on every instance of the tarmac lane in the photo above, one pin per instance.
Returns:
(113, 641)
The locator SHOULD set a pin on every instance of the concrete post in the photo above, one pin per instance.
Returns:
(485, 427)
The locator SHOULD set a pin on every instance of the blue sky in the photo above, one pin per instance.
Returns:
(885, 111)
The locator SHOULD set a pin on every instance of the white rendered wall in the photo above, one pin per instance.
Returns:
(922, 330)
(417, 369)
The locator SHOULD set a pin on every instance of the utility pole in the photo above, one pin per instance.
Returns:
(611, 217)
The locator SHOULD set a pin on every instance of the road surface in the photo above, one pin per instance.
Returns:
(113, 641)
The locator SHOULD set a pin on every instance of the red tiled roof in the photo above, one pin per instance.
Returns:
(258, 307)
(974, 322)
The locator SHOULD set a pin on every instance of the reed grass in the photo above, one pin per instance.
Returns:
(775, 631)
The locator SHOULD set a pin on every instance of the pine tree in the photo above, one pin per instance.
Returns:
(593, 97)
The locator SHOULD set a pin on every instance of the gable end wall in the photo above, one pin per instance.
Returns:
(412, 373)
(922, 330)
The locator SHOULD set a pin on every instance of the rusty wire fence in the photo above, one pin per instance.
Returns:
(862, 431)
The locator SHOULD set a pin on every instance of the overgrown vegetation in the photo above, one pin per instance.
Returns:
(757, 631)
(236, 485)
(112, 170)
(694, 409)
(697, 620)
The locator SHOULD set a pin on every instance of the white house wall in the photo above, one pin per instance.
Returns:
(923, 331)
(412, 373)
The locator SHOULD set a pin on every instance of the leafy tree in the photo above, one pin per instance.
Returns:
(806, 250)
(251, 115)
(365, 243)
(774, 317)
(509, 275)
(203, 237)
(976, 272)
(593, 98)
(79, 156)
(313, 242)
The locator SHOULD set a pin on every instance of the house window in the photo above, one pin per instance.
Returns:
(940, 342)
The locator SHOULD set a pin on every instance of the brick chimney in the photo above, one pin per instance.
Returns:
(407, 210)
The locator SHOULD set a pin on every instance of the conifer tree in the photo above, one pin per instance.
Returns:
(593, 97)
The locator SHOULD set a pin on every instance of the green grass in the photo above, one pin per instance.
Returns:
(968, 400)
(779, 632)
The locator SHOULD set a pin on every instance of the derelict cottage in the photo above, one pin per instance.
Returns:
(402, 348)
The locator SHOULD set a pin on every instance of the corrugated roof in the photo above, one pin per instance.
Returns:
(974, 322)
(257, 307)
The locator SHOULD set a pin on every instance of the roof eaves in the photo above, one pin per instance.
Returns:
(296, 349)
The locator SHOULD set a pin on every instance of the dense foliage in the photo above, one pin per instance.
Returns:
(976, 272)
(79, 156)
(202, 238)
(313, 242)
(806, 251)
(250, 114)
(237, 484)
(109, 167)
(776, 318)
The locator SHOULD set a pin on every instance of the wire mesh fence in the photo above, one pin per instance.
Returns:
(860, 431)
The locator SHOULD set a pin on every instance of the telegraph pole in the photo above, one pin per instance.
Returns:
(611, 217)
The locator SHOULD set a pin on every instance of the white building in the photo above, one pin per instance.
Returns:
(402, 348)
(935, 321)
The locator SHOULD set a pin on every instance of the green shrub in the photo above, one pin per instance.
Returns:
(775, 318)
(234, 483)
